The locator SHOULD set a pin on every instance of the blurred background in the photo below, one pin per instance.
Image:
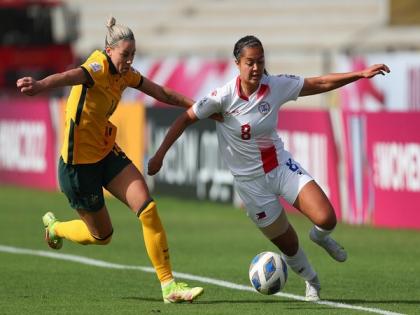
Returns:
(361, 143)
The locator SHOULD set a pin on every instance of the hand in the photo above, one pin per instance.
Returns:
(29, 86)
(217, 117)
(375, 70)
(154, 165)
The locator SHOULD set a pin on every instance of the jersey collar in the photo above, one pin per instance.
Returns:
(112, 68)
(263, 89)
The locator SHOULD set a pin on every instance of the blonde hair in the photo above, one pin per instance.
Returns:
(117, 32)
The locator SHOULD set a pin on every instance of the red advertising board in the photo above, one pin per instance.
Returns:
(393, 152)
(308, 135)
(27, 144)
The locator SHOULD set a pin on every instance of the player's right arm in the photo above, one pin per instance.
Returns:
(204, 108)
(174, 132)
(30, 86)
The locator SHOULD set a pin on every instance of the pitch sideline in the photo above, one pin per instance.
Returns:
(180, 275)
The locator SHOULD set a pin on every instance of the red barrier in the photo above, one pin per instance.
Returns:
(382, 158)
(393, 151)
(27, 144)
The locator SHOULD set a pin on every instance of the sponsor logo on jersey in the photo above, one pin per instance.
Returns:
(264, 108)
(95, 66)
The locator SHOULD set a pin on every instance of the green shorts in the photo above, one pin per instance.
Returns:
(82, 183)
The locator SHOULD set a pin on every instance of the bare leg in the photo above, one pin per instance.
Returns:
(130, 187)
(314, 204)
(288, 243)
(98, 223)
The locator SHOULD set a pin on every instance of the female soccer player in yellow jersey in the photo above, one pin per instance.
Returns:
(90, 158)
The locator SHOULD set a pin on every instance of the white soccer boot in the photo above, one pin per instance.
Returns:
(312, 290)
(334, 249)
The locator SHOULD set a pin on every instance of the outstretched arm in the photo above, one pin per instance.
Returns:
(333, 81)
(164, 94)
(175, 131)
(30, 86)
(168, 96)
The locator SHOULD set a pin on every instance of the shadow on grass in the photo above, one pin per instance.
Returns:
(354, 302)
(231, 301)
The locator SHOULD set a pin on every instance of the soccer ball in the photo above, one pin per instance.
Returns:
(268, 273)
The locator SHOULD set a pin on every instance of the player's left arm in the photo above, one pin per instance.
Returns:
(325, 83)
(175, 131)
(164, 94)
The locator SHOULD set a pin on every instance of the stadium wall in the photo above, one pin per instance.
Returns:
(355, 151)
(379, 184)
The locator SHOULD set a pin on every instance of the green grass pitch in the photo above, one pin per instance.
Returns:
(206, 239)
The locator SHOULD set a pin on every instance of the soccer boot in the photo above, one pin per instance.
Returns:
(312, 290)
(176, 292)
(334, 249)
(52, 240)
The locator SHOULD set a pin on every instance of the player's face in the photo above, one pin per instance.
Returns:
(122, 55)
(251, 65)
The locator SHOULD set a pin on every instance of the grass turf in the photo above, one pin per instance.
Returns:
(206, 239)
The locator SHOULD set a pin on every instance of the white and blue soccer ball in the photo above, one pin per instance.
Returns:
(268, 273)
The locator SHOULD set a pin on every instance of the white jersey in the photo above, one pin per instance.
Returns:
(248, 139)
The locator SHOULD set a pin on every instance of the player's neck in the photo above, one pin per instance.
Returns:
(248, 89)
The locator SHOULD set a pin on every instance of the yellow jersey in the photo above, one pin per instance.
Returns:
(89, 135)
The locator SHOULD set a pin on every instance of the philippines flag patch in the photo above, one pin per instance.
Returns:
(261, 215)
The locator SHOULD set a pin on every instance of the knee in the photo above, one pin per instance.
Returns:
(148, 214)
(103, 240)
(148, 207)
(327, 219)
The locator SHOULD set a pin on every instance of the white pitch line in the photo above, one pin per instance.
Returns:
(180, 275)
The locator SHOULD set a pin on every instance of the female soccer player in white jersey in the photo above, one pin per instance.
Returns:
(90, 158)
(263, 170)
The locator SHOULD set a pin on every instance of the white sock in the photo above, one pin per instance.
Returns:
(320, 233)
(300, 265)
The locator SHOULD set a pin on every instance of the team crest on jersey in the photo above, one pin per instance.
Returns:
(214, 93)
(95, 66)
(264, 108)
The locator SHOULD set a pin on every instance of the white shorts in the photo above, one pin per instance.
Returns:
(261, 195)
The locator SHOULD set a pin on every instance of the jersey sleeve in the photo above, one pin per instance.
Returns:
(289, 85)
(134, 78)
(94, 68)
(207, 106)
